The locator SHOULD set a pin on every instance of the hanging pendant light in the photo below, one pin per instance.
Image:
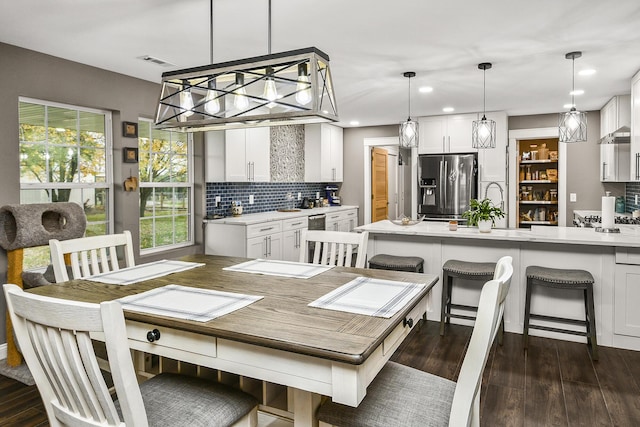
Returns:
(282, 88)
(483, 131)
(573, 124)
(409, 129)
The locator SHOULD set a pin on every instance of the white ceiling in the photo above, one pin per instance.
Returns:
(370, 43)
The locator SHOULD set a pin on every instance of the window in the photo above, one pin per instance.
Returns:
(65, 156)
(166, 188)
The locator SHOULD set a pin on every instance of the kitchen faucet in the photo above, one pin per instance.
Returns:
(486, 190)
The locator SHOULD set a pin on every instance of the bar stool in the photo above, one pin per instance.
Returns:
(579, 280)
(456, 269)
(397, 263)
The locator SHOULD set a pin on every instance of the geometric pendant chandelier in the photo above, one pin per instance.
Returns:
(572, 125)
(409, 129)
(293, 87)
(483, 131)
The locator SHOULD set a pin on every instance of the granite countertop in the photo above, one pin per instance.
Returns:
(628, 236)
(255, 218)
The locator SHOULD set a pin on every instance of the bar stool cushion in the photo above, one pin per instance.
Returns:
(417, 399)
(394, 262)
(558, 277)
(466, 268)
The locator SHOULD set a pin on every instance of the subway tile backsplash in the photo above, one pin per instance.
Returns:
(632, 188)
(268, 196)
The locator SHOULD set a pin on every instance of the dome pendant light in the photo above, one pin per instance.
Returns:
(483, 131)
(572, 125)
(409, 129)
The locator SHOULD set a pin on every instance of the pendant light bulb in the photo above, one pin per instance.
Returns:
(186, 100)
(240, 100)
(303, 87)
(409, 129)
(270, 92)
(211, 101)
(572, 125)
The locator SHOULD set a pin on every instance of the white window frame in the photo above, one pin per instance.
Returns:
(189, 184)
(108, 184)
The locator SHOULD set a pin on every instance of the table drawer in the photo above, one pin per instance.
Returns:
(173, 339)
(263, 228)
(392, 342)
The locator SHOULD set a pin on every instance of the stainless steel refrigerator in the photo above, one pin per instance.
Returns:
(446, 184)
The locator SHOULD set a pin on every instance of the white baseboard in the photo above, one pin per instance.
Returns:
(3, 351)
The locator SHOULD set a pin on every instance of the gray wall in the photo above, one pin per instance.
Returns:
(31, 74)
(352, 190)
(583, 163)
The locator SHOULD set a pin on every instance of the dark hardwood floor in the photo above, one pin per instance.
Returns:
(554, 384)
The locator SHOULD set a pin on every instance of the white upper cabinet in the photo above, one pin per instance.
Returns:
(492, 162)
(615, 114)
(446, 134)
(323, 153)
(247, 155)
(635, 127)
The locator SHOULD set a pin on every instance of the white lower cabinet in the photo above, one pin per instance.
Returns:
(267, 240)
(292, 238)
(627, 292)
(342, 221)
(265, 247)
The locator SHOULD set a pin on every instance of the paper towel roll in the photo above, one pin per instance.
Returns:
(608, 208)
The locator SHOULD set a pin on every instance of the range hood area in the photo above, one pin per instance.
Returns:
(620, 136)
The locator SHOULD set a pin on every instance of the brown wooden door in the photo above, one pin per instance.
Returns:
(379, 185)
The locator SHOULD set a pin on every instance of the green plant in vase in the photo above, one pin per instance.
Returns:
(483, 213)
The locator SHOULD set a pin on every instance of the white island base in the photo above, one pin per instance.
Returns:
(613, 260)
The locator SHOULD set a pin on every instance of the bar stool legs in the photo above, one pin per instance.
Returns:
(562, 279)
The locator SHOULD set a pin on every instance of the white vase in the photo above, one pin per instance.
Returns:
(485, 226)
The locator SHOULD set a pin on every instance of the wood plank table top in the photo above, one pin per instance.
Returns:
(281, 320)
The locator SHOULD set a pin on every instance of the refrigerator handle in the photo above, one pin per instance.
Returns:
(442, 187)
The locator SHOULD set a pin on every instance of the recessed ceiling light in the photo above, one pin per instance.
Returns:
(425, 89)
(448, 109)
(587, 72)
(577, 92)
(567, 106)
(354, 123)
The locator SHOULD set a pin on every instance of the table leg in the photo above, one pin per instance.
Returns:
(305, 405)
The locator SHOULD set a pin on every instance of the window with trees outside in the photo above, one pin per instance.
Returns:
(166, 188)
(65, 156)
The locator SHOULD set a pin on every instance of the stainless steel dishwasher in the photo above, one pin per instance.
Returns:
(316, 222)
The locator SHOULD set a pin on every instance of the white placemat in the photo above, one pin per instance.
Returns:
(187, 303)
(373, 297)
(138, 273)
(299, 270)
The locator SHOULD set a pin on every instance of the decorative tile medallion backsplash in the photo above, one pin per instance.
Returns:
(287, 153)
(268, 196)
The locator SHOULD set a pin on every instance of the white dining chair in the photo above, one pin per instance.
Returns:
(334, 248)
(503, 272)
(90, 255)
(54, 337)
(407, 397)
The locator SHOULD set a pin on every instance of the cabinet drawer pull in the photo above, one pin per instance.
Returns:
(153, 335)
(408, 322)
(296, 223)
(266, 229)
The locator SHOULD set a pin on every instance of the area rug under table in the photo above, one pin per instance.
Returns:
(19, 373)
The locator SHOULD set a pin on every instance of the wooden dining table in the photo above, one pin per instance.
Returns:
(278, 339)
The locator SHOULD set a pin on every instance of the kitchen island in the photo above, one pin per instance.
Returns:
(612, 259)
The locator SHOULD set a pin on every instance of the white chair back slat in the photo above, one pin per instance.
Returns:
(54, 336)
(90, 255)
(334, 247)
